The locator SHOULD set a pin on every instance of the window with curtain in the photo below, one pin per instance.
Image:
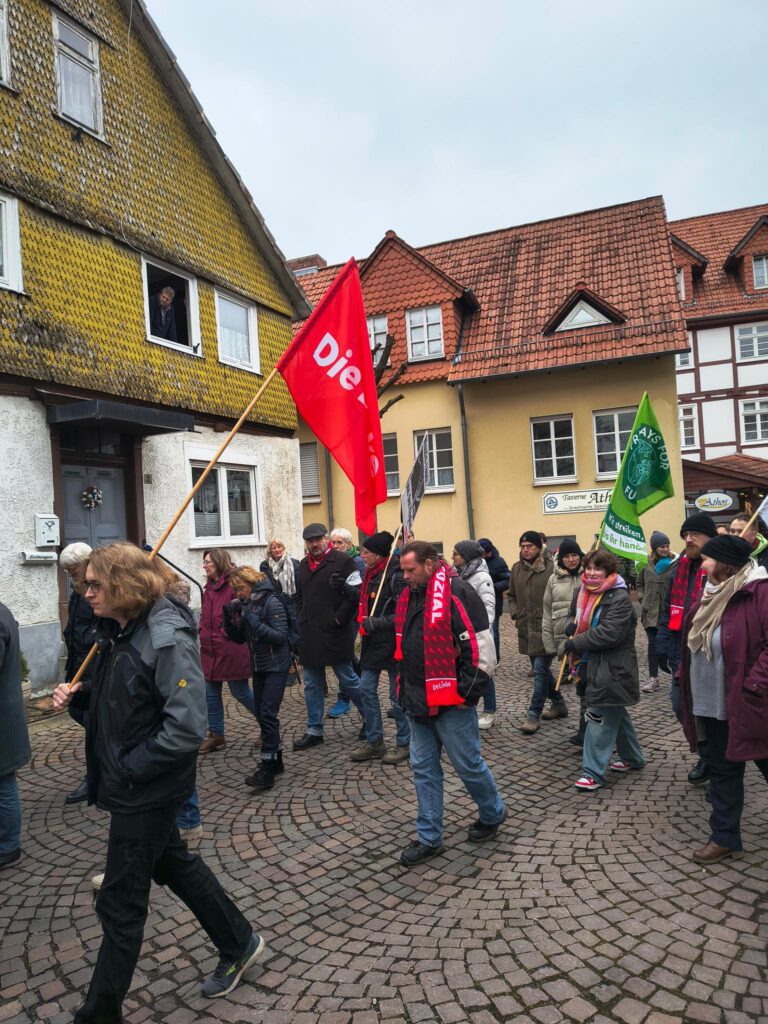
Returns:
(225, 507)
(77, 74)
(238, 337)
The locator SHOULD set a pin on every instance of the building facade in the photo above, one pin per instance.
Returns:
(142, 300)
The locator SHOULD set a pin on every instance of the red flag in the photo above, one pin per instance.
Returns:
(329, 372)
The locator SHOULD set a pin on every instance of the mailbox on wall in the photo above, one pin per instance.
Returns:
(46, 531)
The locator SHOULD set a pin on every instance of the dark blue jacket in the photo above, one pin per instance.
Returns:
(262, 623)
(157, 328)
(500, 575)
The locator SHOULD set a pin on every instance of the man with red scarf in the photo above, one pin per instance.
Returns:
(686, 579)
(445, 650)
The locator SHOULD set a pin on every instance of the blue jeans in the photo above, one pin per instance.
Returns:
(456, 730)
(609, 729)
(189, 815)
(489, 697)
(402, 723)
(543, 686)
(369, 692)
(314, 692)
(10, 814)
(239, 689)
(496, 637)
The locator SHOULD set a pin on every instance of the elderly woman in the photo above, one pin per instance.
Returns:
(602, 646)
(283, 571)
(469, 562)
(724, 684)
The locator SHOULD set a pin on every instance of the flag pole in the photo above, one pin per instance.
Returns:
(755, 516)
(185, 504)
(560, 673)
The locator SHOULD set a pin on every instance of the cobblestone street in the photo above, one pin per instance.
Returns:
(586, 908)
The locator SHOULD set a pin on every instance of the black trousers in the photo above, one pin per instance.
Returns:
(653, 661)
(726, 784)
(268, 690)
(144, 847)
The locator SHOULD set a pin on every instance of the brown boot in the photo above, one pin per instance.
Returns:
(396, 755)
(369, 751)
(530, 726)
(558, 709)
(711, 853)
(213, 741)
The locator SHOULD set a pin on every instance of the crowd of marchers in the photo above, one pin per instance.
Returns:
(151, 699)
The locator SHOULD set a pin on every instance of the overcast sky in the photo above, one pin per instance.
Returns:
(440, 118)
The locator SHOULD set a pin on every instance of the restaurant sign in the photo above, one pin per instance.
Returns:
(563, 502)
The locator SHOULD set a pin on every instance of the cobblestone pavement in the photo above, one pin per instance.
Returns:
(586, 908)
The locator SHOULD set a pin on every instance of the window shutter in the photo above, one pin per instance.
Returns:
(310, 475)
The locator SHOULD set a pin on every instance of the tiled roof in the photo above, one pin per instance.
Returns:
(521, 276)
(715, 235)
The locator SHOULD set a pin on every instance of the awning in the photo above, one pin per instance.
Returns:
(119, 416)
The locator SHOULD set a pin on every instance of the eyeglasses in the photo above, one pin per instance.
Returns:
(94, 586)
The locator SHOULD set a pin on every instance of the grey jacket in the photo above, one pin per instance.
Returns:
(612, 676)
(562, 588)
(14, 738)
(651, 588)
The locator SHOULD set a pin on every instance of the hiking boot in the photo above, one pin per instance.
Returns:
(486, 719)
(397, 755)
(340, 708)
(530, 726)
(417, 852)
(651, 686)
(263, 778)
(557, 709)
(192, 836)
(307, 741)
(481, 831)
(369, 751)
(229, 972)
(213, 741)
(78, 794)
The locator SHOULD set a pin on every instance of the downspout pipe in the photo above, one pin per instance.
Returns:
(465, 452)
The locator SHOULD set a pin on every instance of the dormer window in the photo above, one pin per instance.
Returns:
(760, 270)
(582, 315)
(425, 333)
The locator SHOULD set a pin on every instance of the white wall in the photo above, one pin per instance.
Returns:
(166, 485)
(752, 374)
(714, 343)
(686, 383)
(718, 421)
(716, 378)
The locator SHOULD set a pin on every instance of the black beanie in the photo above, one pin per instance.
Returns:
(469, 549)
(485, 544)
(379, 543)
(729, 550)
(532, 537)
(569, 547)
(699, 523)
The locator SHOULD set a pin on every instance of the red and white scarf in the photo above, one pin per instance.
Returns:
(315, 563)
(439, 650)
(366, 594)
(679, 592)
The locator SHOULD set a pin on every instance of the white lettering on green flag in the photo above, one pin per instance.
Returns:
(644, 480)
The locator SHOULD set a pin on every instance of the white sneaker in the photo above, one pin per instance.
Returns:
(97, 881)
(192, 835)
(486, 720)
(651, 686)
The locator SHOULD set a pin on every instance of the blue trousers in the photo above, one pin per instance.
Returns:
(609, 729)
(239, 689)
(189, 815)
(314, 693)
(10, 814)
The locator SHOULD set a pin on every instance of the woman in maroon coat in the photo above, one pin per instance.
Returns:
(724, 684)
(222, 660)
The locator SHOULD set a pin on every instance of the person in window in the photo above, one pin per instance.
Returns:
(162, 320)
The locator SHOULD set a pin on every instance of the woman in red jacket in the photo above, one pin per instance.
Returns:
(724, 684)
(222, 660)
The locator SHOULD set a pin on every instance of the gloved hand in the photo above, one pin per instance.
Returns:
(663, 662)
(337, 581)
(233, 606)
(569, 646)
(366, 626)
(570, 629)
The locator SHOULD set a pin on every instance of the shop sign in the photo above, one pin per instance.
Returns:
(563, 502)
(714, 501)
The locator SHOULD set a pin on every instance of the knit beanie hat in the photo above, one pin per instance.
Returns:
(699, 523)
(485, 544)
(729, 550)
(532, 537)
(379, 543)
(658, 539)
(468, 549)
(569, 547)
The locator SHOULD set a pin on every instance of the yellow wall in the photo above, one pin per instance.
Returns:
(505, 500)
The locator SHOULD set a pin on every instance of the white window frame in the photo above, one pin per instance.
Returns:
(11, 278)
(759, 332)
(758, 412)
(310, 499)
(93, 66)
(196, 456)
(5, 47)
(195, 348)
(541, 481)
(375, 338)
(433, 432)
(680, 280)
(427, 354)
(684, 360)
(254, 362)
(762, 262)
(610, 474)
(392, 492)
(688, 414)
(596, 319)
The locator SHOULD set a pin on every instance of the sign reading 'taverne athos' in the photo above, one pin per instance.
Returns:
(562, 502)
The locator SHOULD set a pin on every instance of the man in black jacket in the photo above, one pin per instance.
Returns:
(445, 649)
(162, 319)
(146, 719)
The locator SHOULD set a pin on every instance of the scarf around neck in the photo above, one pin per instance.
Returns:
(470, 568)
(678, 598)
(439, 653)
(366, 595)
(589, 598)
(714, 599)
(313, 562)
(284, 574)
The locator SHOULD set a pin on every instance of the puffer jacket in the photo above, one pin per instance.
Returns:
(612, 675)
(562, 588)
(377, 647)
(527, 586)
(262, 623)
(651, 590)
(499, 571)
(481, 582)
(147, 711)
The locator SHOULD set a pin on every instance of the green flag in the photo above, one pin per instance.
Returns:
(644, 480)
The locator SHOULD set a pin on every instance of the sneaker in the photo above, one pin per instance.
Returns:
(397, 755)
(586, 782)
(192, 836)
(307, 741)
(481, 831)
(369, 751)
(417, 852)
(486, 719)
(340, 708)
(651, 686)
(213, 741)
(557, 709)
(624, 766)
(530, 726)
(228, 973)
(97, 881)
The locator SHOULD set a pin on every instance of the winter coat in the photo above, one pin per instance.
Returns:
(262, 624)
(267, 570)
(377, 647)
(475, 663)
(147, 711)
(14, 738)
(327, 617)
(527, 587)
(78, 635)
(499, 571)
(668, 643)
(562, 588)
(744, 642)
(220, 657)
(482, 584)
(612, 676)
(651, 591)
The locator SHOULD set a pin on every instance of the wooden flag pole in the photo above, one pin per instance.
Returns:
(384, 575)
(560, 673)
(185, 504)
(755, 516)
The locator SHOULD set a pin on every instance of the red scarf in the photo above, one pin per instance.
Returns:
(587, 603)
(439, 651)
(367, 596)
(313, 562)
(679, 592)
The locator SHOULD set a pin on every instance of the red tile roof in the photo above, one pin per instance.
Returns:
(521, 276)
(719, 292)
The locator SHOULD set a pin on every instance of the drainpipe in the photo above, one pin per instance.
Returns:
(465, 452)
(328, 490)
